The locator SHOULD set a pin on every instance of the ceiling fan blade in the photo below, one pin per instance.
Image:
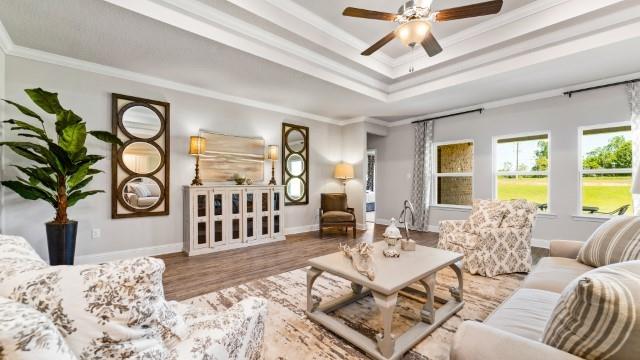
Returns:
(462, 12)
(368, 14)
(382, 42)
(431, 45)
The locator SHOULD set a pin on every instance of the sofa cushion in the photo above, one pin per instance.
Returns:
(17, 256)
(554, 274)
(337, 216)
(614, 241)
(108, 310)
(518, 214)
(525, 313)
(27, 334)
(598, 314)
(486, 214)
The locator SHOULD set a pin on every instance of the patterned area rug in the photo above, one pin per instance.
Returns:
(290, 335)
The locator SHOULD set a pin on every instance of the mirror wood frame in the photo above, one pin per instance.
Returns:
(160, 141)
(287, 151)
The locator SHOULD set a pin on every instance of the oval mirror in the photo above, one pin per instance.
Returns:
(141, 122)
(295, 140)
(141, 193)
(141, 157)
(295, 189)
(295, 164)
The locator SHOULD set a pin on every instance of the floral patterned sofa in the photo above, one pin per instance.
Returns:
(114, 310)
(496, 239)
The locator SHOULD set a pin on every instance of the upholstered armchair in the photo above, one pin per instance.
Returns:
(334, 211)
(496, 239)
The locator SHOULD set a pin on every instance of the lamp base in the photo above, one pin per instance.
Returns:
(196, 181)
(272, 181)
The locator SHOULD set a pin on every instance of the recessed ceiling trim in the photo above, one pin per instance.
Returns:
(189, 22)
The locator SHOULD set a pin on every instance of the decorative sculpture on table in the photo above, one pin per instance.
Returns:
(361, 258)
(407, 244)
(391, 236)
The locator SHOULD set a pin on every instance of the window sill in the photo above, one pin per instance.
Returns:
(592, 218)
(546, 215)
(460, 208)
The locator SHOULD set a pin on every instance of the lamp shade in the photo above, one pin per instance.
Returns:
(413, 31)
(272, 152)
(197, 145)
(343, 171)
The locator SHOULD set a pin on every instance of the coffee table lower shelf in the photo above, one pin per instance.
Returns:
(385, 347)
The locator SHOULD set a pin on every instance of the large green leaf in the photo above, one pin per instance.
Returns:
(78, 176)
(25, 110)
(106, 137)
(47, 101)
(66, 118)
(29, 192)
(62, 162)
(73, 137)
(39, 176)
(21, 125)
(26, 150)
(78, 195)
(81, 184)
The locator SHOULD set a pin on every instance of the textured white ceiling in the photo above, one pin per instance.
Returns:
(103, 33)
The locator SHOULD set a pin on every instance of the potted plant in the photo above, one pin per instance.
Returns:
(59, 169)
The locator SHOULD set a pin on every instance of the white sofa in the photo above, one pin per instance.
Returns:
(114, 310)
(515, 329)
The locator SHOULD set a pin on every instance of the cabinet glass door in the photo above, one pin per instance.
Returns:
(218, 218)
(264, 215)
(276, 218)
(234, 213)
(201, 226)
(249, 216)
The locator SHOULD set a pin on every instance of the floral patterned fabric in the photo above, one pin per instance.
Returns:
(237, 333)
(493, 251)
(27, 334)
(17, 256)
(110, 310)
(486, 214)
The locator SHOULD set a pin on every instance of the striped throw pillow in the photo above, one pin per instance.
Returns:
(598, 314)
(614, 241)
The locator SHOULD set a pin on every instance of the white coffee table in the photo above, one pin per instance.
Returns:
(392, 275)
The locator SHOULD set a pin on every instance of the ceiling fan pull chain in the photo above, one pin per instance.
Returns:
(411, 69)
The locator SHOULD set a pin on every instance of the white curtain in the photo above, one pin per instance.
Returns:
(633, 90)
(421, 184)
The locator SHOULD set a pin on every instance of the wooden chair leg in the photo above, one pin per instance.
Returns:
(354, 230)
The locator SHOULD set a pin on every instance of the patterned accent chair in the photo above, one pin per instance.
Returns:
(496, 239)
(334, 211)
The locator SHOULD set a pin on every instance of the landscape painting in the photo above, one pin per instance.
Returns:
(227, 155)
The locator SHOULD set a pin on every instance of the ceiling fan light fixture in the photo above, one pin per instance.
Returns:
(413, 32)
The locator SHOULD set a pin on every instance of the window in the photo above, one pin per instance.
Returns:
(522, 168)
(605, 170)
(453, 178)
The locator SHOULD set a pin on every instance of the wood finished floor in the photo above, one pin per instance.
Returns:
(186, 277)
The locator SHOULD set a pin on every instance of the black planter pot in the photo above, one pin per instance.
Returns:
(61, 239)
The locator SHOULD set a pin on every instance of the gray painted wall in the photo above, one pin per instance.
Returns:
(89, 95)
(2, 117)
(561, 116)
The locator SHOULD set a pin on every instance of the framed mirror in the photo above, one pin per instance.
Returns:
(140, 168)
(295, 169)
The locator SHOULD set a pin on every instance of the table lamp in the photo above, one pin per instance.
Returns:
(197, 146)
(272, 154)
(343, 172)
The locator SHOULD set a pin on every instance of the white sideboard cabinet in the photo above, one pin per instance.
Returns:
(223, 217)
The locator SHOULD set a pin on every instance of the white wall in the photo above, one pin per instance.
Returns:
(89, 95)
(2, 118)
(354, 151)
(561, 116)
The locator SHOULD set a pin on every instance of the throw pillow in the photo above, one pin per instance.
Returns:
(614, 241)
(485, 214)
(17, 256)
(598, 314)
(110, 310)
(27, 334)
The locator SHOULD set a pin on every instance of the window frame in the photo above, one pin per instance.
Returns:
(435, 175)
(582, 171)
(496, 173)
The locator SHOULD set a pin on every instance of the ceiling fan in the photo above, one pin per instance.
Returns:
(416, 19)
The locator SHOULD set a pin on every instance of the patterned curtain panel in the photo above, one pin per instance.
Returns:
(371, 163)
(633, 90)
(421, 185)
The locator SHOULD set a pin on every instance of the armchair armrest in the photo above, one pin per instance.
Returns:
(565, 248)
(351, 210)
(451, 226)
(476, 341)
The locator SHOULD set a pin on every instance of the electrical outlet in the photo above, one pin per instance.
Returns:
(95, 233)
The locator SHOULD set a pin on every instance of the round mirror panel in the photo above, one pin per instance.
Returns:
(141, 193)
(295, 140)
(295, 189)
(295, 164)
(141, 157)
(141, 122)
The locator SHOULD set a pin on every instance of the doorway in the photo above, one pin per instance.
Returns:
(370, 178)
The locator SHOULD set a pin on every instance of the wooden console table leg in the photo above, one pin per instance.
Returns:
(427, 314)
(386, 304)
(312, 275)
(457, 292)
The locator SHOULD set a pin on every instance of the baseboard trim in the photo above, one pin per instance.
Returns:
(540, 243)
(301, 229)
(125, 254)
